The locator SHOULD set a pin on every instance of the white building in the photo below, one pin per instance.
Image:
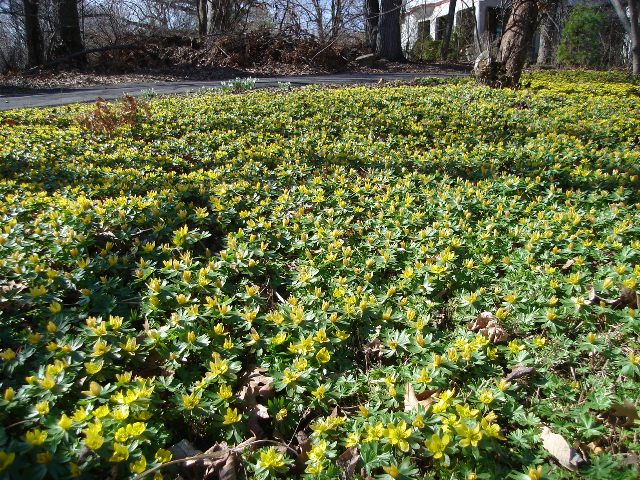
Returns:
(479, 19)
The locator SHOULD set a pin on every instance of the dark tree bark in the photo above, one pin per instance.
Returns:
(630, 24)
(70, 35)
(33, 33)
(634, 12)
(446, 40)
(371, 23)
(549, 34)
(390, 46)
(515, 46)
(336, 17)
(202, 18)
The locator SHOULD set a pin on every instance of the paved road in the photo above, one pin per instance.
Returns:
(60, 96)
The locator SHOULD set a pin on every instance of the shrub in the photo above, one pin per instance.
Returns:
(108, 117)
(580, 44)
(426, 49)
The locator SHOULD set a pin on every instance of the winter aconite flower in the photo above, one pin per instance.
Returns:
(397, 435)
(437, 445)
(270, 459)
(231, 416)
(6, 459)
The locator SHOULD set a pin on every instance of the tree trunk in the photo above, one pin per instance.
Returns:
(630, 25)
(515, 46)
(221, 16)
(371, 21)
(390, 46)
(69, 25)
(448, 29)
(337, 11)
(202, 18)
(549, 35)
(634, 11)
(33, 33)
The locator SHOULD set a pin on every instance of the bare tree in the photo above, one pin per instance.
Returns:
(444, 52)
(630, 24)
(549, 33)
(371, 22)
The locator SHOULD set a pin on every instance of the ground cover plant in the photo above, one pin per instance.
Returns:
(392, 282)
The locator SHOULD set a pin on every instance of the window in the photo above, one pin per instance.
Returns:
(441, 25)
(424, 29)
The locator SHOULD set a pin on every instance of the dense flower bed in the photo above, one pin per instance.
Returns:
(305, 271)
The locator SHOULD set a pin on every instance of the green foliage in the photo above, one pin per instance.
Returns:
(304, 267)
(426, 49)
(580, 43)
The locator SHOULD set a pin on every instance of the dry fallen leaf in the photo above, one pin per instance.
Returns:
(627, 298)
(481, 321)
(625, 409)
(569, 264)
(348, 462)
(560, 449)
(413, 401)
(303, 448)
(519, 371)
(488, 325)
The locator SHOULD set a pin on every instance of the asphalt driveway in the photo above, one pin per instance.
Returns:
(57, 96)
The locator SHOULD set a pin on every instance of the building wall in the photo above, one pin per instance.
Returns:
(430, 10)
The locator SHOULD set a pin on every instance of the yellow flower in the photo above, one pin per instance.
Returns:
(535, 473)
(317, 452)
(8, 355)
(289, 376)
(139, 465)
(491, 429)
(42, 407)
(163, 456)
(48, 382)
(319, 392)
(470, 436)
(373, 433)
(418, 422)
(79, 415)
(44, 458)
(93, 439)
(121, 435)
(192, 400)
(225, 392)
(515, 347)
(136, 429)
(93, 367)
(9, 394)
(437, 445)
(353, 439)
(100, 348)
(120, 453)
(65, 422)
(270, 459)
(391, 470)
(539, 341)
(120, 412)
(486, 397)
(232, 416)
(35, 437)
(397, 435)
(6, 459)
(55, 308)
(323, 355)
(591, 337)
